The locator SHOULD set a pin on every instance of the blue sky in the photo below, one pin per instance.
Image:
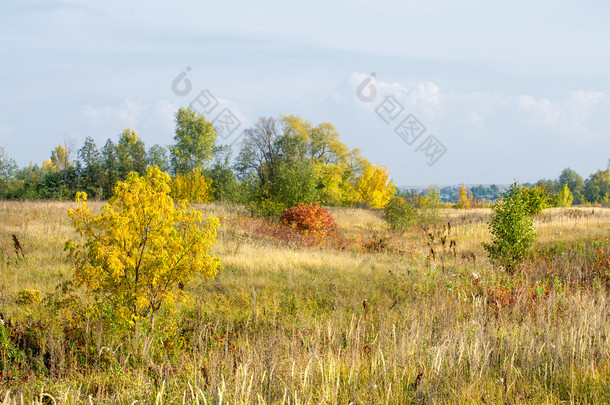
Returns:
(512, 90)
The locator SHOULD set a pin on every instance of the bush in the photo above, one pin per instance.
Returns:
(192, 187)
(400, 215)
(512, 228)
(310, 219)
(266, 208)
(564, 198)
(27, 296)
(536, 199)
(429, 208)
(140, 247)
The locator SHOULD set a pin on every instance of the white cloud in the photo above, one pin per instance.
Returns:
(166, 110)
(128, 113)
(588, 97)
(475, 119)
(581, 113)
(578, 114)
(541, 109)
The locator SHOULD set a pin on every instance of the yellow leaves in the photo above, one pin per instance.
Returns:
(129, 136)
(374, 186)
(141, 245)
(48, 166)
(565, 197)
(297, 127)
(465, 199)
(59, 160)
(192, 187)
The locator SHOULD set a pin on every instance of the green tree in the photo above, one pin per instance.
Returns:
(130, 154)
(597, 187)
(193, 142)
(295, 183)
(289, 160)
(157, 156)
(260, 153)
(224, 181)
(60, 177)
(8, 170)
(574, 182)
(274, 161)
(400, 214)
(511, 227)
(91, 172)
(109, 168)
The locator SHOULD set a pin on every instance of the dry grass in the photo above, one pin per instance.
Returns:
(293, 325)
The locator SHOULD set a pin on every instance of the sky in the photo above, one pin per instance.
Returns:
(440, 92)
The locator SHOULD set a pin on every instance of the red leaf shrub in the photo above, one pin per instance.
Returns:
(310, 219)
(260, 227)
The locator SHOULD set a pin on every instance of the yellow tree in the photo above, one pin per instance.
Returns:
(140, 247)
(332, 161)
(59, 160)
(466, 199)
(375, 187)
(565, 197)
(192, 187)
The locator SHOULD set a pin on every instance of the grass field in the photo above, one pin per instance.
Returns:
(376, 319)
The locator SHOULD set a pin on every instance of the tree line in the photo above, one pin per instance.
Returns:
(282, 161)
(569, 186)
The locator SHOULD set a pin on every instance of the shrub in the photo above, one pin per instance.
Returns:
(192, 187)
(400, 215)
(512, 228)
(601, 266)
(266, 208)
(536, 199)
(27, 296)
(140, 247)
(429, 208)
(310, 219)
(564, 198)
(264, 228)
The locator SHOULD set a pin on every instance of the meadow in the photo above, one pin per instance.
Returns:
(372, 318)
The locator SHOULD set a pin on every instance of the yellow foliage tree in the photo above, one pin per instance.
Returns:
(140, 247)
(375, 187)
(565, 197)
(466, 199)
(192, 187)
(59, 160)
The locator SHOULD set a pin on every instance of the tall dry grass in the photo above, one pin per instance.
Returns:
(300, 325)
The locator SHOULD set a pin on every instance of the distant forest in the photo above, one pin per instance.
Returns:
(282, 161)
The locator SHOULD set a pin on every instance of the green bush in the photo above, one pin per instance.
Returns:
(536, 199)
(400, 215)
(429, 208)
(266, 208)
(512, 228)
